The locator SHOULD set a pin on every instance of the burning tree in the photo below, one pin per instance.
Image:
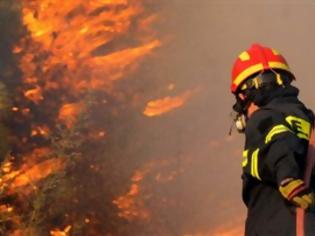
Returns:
(70, 99)
(75, 89)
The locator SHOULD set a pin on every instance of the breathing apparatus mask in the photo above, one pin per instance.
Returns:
(239, 114)
(256, 89)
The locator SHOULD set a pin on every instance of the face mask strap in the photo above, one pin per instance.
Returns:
(279, 79)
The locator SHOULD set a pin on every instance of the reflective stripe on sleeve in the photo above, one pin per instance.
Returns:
(245, 158)
(254, 164)
(301, 126)
(276, 130)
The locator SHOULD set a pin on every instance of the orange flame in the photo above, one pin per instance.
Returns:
(37, 172)
(69, 112)
(228, 231)
(32, 171)
(71, 36)
(164, 105)
(58, 232)
(72, 32)
(128, 204)
(34, 94)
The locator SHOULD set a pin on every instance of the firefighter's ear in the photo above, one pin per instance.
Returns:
(251, 109)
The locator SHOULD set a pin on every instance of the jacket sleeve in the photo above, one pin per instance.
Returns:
(274, 148)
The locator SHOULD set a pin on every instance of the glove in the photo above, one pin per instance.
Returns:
(295, 191)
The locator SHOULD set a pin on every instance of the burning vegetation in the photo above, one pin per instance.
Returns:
(81, 123)
(70, 97)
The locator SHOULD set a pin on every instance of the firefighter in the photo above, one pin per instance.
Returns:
(277, 128)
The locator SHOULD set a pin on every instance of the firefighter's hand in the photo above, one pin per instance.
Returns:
(295, 191)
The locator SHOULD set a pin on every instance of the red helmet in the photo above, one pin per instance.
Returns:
(256, 59)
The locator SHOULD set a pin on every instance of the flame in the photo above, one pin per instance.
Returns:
(32, 171)
(129, 207)
(235, 231)
(6, 167)
(222, 231)
(72, 32)
(64, 232)
(73, 49)
(166, 104)
(34, 94)
(37, 172)
(40, 130)
(130, 204)
(69, 112)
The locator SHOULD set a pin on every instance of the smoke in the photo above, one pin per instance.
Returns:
(205, 37)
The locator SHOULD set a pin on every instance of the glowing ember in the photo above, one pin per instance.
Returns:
(5, 209)
(6, 167)
(34, 94)
(164, 105)
(40, 130)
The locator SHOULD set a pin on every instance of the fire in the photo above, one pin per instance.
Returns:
(166, 104)
(34, 94)
(40, 130)
(37, 172)
(73, 50)
(64, 232)
(31, 172)
(130, 204)
(73, 32)
(6, 167)
(236, 231)
(222, 231)
(129, 207)
(68, 113)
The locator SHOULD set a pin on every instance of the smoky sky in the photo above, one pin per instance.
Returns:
(201, 39)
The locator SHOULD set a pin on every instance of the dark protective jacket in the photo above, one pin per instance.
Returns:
(277, 137)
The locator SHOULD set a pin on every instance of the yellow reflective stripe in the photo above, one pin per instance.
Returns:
(254, 165)
(278, 65)
(245, 158)
(301, 126)
(249, 71)
(277, 129)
